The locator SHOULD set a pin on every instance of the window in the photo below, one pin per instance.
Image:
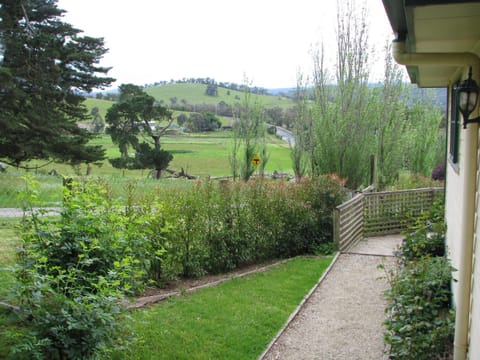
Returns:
(454, 127)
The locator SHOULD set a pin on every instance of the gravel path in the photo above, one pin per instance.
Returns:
(15, 212)
(343, 317)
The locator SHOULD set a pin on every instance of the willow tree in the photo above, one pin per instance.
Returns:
(391, 128)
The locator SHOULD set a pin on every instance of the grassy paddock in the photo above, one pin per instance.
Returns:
(235, 320)
(198, 154)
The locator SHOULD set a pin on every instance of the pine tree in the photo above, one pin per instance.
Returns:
(45, 67)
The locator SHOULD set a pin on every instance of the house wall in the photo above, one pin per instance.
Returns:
(474, 344)
(456, 198)
(454, 202)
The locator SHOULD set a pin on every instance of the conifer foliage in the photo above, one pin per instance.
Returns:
(45, 66)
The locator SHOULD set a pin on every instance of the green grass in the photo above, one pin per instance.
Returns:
(12, 184)
(198, 154)
(102, 105)
(8, 240)
(235, 320)
(195, 94)
(208, 155)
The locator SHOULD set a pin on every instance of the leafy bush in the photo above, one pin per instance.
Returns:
(218, 227)
(420, 322)
(426, 237)
(72, 272)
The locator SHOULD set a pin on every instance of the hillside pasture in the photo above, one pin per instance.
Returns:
(195, 94)
(102, 105)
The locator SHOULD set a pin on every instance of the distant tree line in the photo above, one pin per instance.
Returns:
(199, 122)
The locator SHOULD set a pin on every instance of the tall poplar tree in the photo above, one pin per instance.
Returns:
(45, 66)
(342, 118)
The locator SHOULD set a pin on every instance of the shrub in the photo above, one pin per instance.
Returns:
(438, 172)
(426, 235)
(218, 227)
(72, 272)
(420, 323)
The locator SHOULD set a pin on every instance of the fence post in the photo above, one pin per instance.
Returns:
(336, 228)
(372, 169)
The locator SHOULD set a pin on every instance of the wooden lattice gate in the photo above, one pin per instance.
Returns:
(379, 213)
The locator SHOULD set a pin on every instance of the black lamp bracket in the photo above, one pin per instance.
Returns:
(470, 121)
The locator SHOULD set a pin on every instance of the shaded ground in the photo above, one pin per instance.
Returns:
(343, 317)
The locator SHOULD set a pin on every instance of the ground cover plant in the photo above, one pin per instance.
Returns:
(420, 321)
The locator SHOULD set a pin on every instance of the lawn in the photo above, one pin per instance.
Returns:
(234, 320)
(8, 239)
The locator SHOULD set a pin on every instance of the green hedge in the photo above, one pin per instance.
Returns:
(218, 227)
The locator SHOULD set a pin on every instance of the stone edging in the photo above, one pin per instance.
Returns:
(299, 307)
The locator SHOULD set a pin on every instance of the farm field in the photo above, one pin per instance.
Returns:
(195, 94)
(198, 154)
(201, 155)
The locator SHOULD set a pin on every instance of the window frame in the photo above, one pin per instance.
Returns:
(454, 127)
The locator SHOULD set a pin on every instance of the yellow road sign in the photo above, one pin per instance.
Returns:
(256, 160)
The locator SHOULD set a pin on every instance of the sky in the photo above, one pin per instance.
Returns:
(266, 42)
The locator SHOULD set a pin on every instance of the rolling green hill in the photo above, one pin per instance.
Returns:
(103, 105)
(195, 94)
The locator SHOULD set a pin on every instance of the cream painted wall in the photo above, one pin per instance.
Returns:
(453, 209)
(474, 348)
(456, 199)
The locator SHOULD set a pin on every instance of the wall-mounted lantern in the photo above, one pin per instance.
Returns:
(467, 95)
